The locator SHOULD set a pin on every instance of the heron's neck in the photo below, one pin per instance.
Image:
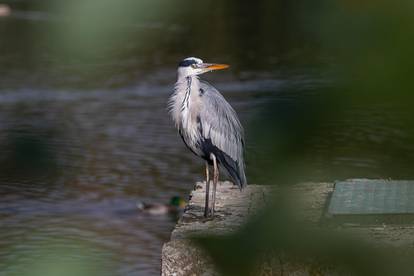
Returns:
(185, 89)
(185, 85)
(184, 99)
(186, 80)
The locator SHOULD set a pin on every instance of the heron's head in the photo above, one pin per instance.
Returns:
(193, 66)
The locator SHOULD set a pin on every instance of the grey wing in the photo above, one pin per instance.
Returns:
(221, 125)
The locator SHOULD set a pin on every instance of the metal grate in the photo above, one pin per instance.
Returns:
(372, 197)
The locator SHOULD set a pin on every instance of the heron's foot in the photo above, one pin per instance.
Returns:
(204, 220)
(209, 213)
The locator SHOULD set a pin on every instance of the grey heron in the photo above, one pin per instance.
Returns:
(208, 125)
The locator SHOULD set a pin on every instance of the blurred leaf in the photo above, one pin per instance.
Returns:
(370, 45)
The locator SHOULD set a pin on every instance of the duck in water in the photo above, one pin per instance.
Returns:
(175, 206)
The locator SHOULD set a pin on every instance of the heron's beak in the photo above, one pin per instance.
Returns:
(206, 67)
(216, 66)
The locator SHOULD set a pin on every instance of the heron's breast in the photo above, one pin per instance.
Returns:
(189, 124)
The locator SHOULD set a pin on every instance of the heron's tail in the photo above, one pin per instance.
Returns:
(235, 171)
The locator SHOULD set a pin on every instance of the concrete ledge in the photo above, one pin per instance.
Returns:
(233, 207)
(181, 257)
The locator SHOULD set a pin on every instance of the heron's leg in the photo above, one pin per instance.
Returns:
(215, 180)
(206, 209)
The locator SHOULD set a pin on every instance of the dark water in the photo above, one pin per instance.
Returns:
(112, 148)
(83, 139)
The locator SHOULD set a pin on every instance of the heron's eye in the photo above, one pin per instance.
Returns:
(194, 66)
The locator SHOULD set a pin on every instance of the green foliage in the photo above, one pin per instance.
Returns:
(369, 46)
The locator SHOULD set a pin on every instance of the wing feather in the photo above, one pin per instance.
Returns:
(222, 126)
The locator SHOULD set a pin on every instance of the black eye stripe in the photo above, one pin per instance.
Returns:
(187, 62)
